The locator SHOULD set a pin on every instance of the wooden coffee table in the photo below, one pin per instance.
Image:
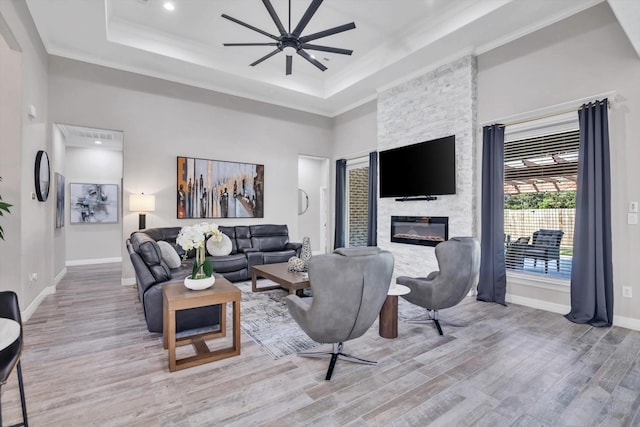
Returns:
(294, 282)
(177, 297)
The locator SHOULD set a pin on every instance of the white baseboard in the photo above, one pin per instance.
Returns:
(26, 314)
(621, 321)
(539, 304)
(626, 322)
(128, 281)
(71, 263)
(59, 276)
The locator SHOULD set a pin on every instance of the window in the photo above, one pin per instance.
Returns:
(358, 198)
(540, 177)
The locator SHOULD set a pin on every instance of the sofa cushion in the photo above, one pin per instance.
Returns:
(150, 253)
(277, 256)
(269, 237)
(169, 235)
(243, 237)
(224, 264)
(221, 248)
(169, 254)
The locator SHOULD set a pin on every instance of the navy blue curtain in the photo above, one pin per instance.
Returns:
(341, 203)
(492, 284)
(592, 268)
(372, 222)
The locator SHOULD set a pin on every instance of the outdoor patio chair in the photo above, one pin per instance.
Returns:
(545, 246)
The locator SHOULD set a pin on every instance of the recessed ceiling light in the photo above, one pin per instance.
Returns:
(97, 142)
(169, 6)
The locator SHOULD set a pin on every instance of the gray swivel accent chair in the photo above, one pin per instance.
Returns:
(349, 287)
(459, 263)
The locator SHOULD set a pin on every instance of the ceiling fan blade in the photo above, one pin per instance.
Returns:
(289, 63)
(314, 61)
(250, 44)
(329, 32)
(274, 16)
(327, 49)
(311, 10)
(267, 56)
(251, 27)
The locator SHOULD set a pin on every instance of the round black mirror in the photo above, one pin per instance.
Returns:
(42, 175)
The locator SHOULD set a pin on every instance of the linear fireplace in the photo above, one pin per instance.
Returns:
(419, 230)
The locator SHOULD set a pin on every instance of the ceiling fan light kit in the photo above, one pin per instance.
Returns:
(293, 41)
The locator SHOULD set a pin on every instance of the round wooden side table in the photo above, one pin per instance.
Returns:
(388, 327)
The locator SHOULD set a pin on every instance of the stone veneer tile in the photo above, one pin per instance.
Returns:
(439, 103)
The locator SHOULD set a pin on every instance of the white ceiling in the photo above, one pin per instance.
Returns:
(394, 40)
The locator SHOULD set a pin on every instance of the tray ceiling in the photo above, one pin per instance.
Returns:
(393, 41)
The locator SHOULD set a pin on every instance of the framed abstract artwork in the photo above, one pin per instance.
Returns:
(219, 189)
(93, 203)
(59, 200)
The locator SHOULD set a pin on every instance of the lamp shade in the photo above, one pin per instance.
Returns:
(142, 202)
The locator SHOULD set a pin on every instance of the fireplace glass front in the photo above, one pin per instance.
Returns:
(419, 230)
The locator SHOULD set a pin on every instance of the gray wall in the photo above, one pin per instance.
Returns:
(28, 247)
(163, 120)
(584, 55)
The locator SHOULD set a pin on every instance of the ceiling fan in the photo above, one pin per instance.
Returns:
(290, 40)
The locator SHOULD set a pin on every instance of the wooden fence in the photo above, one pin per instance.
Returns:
(523, 222)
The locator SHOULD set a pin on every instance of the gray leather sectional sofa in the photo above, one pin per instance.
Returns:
(251, 245)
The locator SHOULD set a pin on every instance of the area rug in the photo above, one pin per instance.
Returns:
(265, 318)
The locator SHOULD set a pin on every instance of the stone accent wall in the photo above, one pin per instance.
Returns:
(439, 103)
(358, 209)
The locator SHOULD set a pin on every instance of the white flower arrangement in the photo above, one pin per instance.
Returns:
(194, 237)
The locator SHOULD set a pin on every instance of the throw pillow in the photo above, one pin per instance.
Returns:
(221, 248)
(169, 254)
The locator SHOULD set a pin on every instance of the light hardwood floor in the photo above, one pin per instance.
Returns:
(89, 361)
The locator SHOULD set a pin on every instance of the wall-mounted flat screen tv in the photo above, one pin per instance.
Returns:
(424, 169)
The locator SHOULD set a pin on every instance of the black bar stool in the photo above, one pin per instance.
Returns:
(11, 346)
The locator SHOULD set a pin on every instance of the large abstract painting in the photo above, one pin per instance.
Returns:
(93, 203)
(218, 189)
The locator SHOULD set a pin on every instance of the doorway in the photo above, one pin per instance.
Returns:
(90, 230)
(313, 206)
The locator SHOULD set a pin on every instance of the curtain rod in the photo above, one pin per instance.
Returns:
(551, 110)
(544, 116)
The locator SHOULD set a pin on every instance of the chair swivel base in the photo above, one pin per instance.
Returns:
(432, 316)
(337, 351)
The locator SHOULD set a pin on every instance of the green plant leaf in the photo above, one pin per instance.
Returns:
(207, 267)
(194, 270)
(4, 207)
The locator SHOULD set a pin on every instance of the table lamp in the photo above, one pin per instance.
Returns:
(142, 203)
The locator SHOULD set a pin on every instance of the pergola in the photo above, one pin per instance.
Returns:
(542, 164)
